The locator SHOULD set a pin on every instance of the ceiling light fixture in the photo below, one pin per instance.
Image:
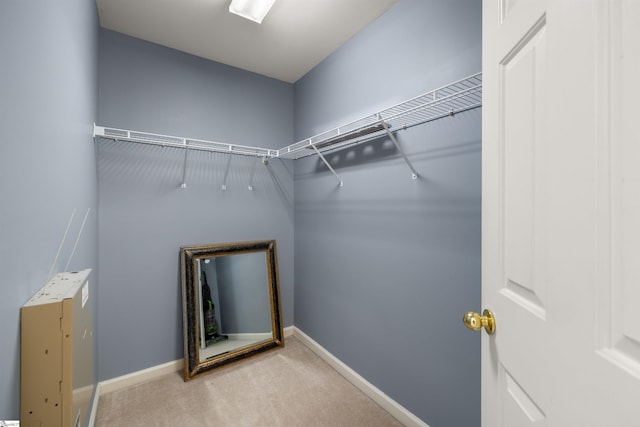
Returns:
(254, 10)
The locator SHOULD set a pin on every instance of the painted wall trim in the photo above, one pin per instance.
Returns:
(94, 407)
(144, 375)
(391, 406)
(396, 410)
(288, 331)
(138, 377)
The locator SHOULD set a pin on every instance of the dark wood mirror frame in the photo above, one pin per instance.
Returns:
(189, 256)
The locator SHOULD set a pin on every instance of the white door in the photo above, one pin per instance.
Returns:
(561, 213)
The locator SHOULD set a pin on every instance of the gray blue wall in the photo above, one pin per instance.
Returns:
(48, 91)
(145, 217)
(386, 266)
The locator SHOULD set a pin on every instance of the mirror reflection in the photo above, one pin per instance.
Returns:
(234, 308)
(230, 303)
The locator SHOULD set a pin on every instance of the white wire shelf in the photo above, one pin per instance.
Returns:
(115, 134)
(446, 101)
(454, 98)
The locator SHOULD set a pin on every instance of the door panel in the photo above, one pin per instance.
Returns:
(522, 85)
(513, 168)
(561, 213)
(519, 408)
(620, 342)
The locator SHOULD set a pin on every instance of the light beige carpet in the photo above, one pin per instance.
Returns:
(290, 386)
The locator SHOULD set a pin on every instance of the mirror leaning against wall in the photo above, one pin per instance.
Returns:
(230, 303)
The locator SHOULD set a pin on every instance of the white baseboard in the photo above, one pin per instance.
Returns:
(390, 405)
(249, 337)
(140, 376)
(129, 380)
(94, 407)
(152, 373)
(396, 410)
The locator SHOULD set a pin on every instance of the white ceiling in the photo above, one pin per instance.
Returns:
(295, 36)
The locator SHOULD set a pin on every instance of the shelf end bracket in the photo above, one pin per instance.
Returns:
(340, 183)
(414, 173)
(184, 166)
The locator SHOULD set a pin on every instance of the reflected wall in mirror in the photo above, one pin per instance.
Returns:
(230, 302)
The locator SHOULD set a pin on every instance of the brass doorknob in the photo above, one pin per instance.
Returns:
(474, 321)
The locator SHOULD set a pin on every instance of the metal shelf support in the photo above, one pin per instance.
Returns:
(184, 168)
(340, 183)
(253, 171)
(414, 174)
(226, 173)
